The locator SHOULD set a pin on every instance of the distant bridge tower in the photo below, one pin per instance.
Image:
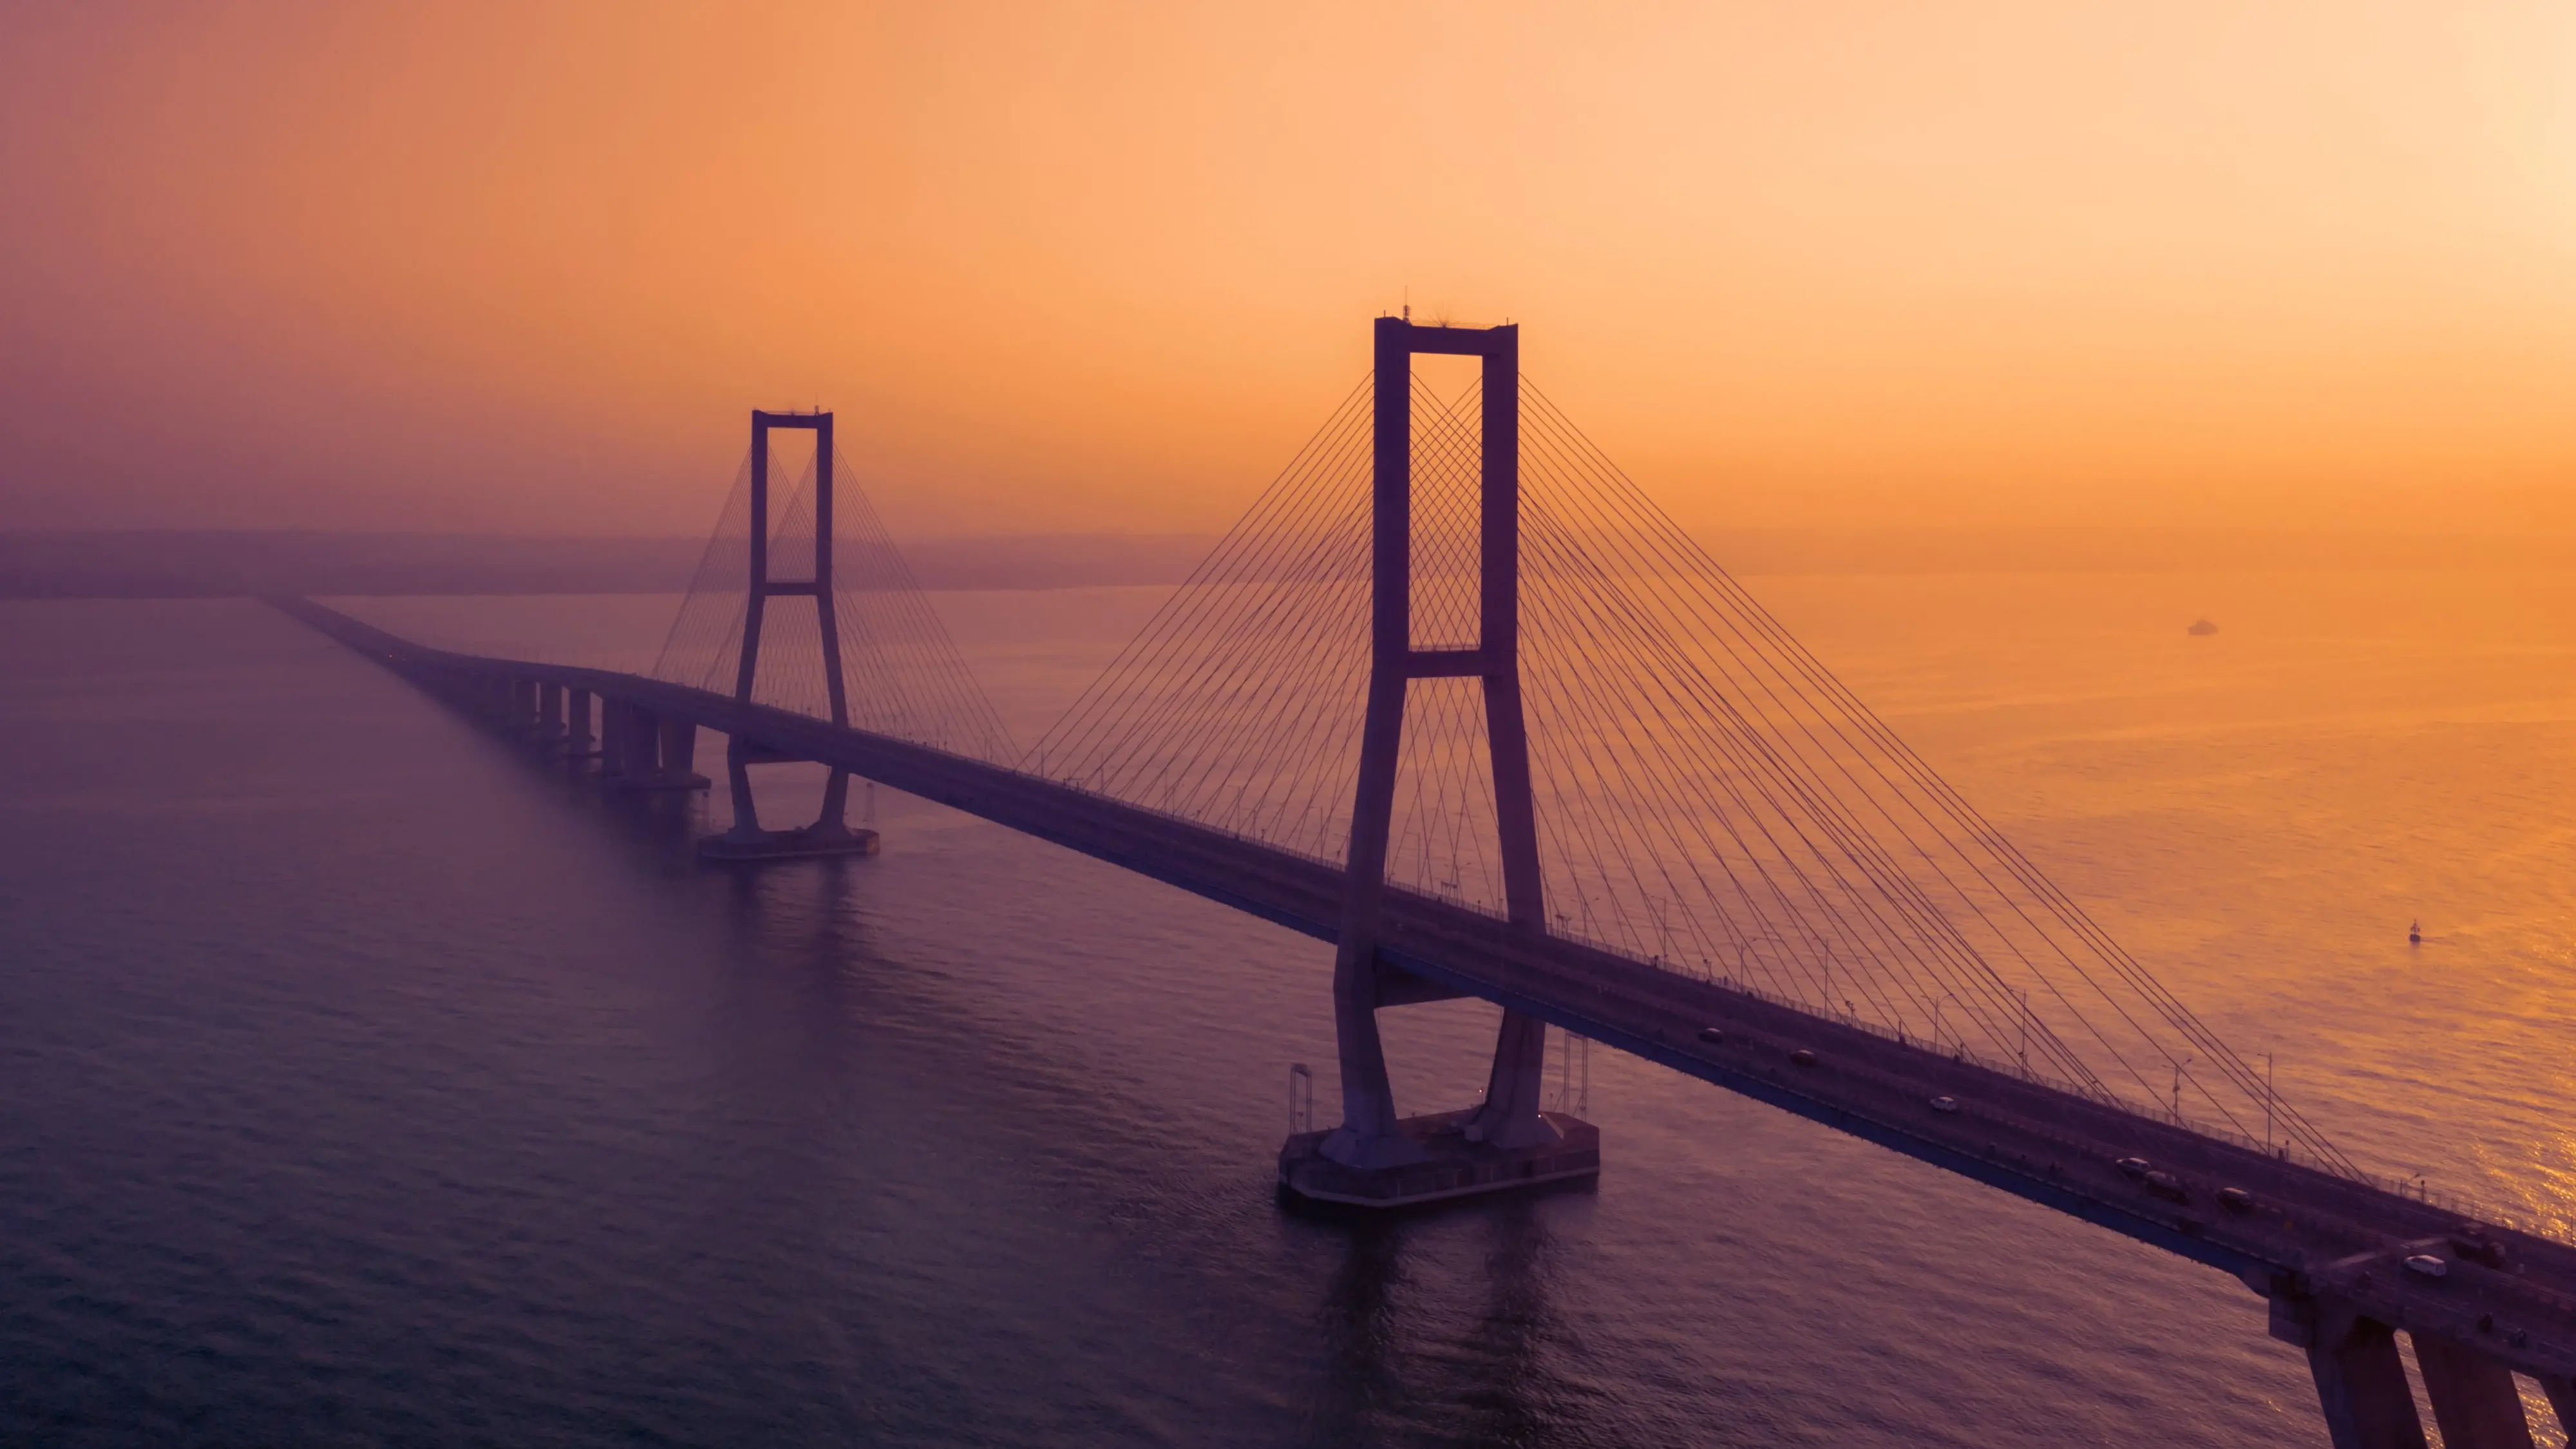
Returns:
(829, 834)
(1371, 1136)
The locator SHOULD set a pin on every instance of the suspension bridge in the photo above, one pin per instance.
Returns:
(1457, 698)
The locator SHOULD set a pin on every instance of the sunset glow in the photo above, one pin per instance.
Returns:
(1098, 269)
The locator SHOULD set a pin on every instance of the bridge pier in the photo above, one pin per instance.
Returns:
(656, 754)
(1510, 1115)
(747, 841)
(2360, 1377)
(550, 714)
(578, 743)
(2475, 1402)
(612, 739)
(680, 750)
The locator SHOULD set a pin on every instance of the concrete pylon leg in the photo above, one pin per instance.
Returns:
(833, 818)
(2475, 1403)
(1510, 1116)
(746, 815)
(1367, 1137)
(2361, 1380)
(2362, 1387)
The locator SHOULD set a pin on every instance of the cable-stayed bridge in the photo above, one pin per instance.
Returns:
(1457, 698)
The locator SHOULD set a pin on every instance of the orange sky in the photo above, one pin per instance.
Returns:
(1103, 267)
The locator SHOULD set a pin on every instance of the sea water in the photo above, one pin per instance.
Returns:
(363, 1080)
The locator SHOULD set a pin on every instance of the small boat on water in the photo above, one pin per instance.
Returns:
(2414, 933)
(2201, 629)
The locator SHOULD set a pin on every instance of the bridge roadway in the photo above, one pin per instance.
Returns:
(2312, 1242)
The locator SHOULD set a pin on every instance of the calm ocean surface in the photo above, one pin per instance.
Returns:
(363, 1081)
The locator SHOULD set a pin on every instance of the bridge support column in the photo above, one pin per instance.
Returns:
(2360, 1378)
(620, 757)
(578, 742)
(2475, 1402)
(645, 748)
(550, 709)
(656, 752)
(748, 842)
(746, 810)
(830, 833)
(643, 745)
(1369, 1137)
(612, 739)
(1374, 1157)
(833, 820)
(679, 747)
(1510, 1116)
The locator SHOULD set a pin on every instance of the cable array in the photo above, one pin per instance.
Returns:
(902, 674)
(1238, 704)
(1711, 798)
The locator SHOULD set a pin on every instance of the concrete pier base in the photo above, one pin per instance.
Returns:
(1452, 1165)
(810, 843)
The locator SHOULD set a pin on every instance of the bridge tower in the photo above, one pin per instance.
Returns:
(830, 833)
(1508, 1129)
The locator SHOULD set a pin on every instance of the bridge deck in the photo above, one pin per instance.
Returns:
(2308, 1234)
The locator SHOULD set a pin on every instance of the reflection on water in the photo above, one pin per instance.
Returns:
(365, 1079)
(1493, 1384)
(1358, 1335)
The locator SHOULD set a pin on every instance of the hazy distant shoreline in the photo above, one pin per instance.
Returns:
(213, 563)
